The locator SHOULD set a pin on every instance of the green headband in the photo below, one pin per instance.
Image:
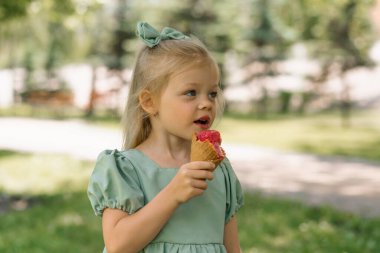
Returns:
(152, 37)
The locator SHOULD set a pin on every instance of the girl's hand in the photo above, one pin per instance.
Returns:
(190, 180)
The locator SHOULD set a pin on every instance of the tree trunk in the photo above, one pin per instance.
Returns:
(91, 102)
(345, 104)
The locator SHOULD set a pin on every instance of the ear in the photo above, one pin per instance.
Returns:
(147, 102)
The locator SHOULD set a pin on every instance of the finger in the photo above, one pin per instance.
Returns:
(201, 174)
(199, 184)
(201, 165)
(197, 192)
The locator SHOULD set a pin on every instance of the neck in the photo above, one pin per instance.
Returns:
(166, 150)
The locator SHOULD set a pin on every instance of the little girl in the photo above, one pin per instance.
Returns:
(151, 197)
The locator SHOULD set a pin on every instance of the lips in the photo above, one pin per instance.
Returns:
(203, 122)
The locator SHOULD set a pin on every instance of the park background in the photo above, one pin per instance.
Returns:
(303, 113)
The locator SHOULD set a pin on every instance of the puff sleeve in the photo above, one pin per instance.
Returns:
(114, 183)
(234, 192)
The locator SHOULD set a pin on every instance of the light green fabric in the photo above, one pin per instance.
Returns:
(151, 37)
(128, 180)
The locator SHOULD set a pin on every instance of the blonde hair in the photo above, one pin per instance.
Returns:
(152, 70)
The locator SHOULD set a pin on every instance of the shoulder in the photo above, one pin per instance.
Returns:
(228, 172)
(115, 183)
(113, 157)
(115, 153)
(226, 164)
(128, 157)
(114, 162)
(124, 161)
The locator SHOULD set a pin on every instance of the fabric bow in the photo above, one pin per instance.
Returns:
(152, 37)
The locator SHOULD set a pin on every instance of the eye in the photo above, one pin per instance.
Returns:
(191, 93)
(213, 94)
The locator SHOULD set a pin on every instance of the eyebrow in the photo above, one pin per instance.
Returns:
(196, 84)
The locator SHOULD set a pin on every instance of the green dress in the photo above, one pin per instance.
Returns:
(128, 180)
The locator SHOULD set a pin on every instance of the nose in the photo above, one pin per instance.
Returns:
(205, 103)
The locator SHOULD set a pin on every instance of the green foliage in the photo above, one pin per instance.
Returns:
(13, 9)
(263, 30)
(121, 34)
(46, 35)
(265, 33)
(62, 31)
(334, 30)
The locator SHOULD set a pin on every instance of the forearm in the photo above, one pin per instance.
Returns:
(133, 232)
(231, 239)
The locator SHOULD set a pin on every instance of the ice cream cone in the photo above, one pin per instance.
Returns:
(205, 151)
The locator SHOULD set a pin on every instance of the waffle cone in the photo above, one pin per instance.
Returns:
(205, 151)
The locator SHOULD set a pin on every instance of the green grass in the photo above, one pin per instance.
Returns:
(319, 134)
(56, 223)
(101, 118)
(61, 219)
(24, 173)
(65, 222)
(269, 225)
(41, 111)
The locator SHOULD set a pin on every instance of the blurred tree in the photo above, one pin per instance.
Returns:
(344, 39)
(44, 34)
(95, 26)
(122, 31)
(29, 69)
(337, 33)
(40, 38)
(115, 54)
(13, 9)
(59, 36)
(347, 53)
(206, 20)
(269, 45)
(191, 16)
(12, 14)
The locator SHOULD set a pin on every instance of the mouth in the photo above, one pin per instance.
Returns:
(203, 122)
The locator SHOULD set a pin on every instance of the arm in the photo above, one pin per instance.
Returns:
(231, 239)
(130, 233)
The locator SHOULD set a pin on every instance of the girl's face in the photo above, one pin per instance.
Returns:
(188, 103)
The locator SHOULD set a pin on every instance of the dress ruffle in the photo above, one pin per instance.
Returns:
(166, 247)
(234, 192)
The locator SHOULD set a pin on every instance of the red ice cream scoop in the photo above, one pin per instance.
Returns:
(205, 146)
(211, 135)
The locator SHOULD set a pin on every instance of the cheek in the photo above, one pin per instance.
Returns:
(174, 108)
(213, 114)
(181, 110)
